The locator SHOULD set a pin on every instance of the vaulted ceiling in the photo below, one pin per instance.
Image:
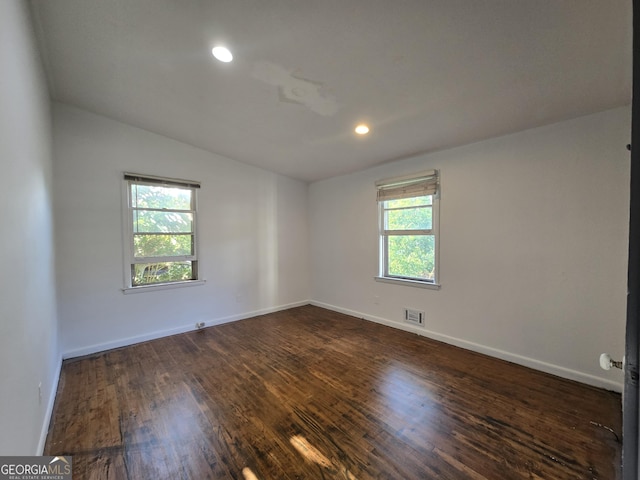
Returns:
(424, 74)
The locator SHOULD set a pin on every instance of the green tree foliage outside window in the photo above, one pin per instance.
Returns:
(409, 242)
(163, 227)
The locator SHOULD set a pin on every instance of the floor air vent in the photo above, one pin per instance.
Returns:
(413, 316)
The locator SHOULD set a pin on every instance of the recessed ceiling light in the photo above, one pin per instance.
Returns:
(222, 53)
(362, 129)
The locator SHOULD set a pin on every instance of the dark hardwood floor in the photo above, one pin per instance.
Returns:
(312, 394)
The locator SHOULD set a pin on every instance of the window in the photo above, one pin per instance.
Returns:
(161, 231)
(408, 228)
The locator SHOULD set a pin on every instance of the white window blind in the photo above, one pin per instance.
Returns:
(176, 182)
(408, 186)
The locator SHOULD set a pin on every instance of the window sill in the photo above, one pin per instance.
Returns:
(410, 283)
(162, 286)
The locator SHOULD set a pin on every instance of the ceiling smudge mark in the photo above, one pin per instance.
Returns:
(295, 89)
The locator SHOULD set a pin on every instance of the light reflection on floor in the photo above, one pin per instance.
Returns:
(314, 455)
(407, 396)
(248, 474)
(309, 451)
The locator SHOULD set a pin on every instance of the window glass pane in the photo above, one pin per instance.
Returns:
(420, 218)
(149, 273)
(162, 245)
(156, 196)
(411, 256)
(409, 202)
(145, 221)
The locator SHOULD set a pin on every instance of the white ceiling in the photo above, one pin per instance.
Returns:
(425, 74)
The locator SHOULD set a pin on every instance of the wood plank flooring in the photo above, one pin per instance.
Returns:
(312, 394)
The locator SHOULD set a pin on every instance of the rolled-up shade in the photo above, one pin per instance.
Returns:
(408, 186)
(176, 182)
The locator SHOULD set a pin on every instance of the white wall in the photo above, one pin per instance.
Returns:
(253, 235)
(28, 328)
(533, 257)
(533, 229)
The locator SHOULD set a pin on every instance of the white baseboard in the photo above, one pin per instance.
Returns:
(458, 342)
(50, 403)
(493, 352)
(123, 342)
(508, 356)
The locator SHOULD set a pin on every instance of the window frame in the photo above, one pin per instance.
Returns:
(384, 234)
(129, 258)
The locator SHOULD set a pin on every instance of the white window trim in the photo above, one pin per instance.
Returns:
(162, 286)
(435, 230)
(127, 242)
(408, 282)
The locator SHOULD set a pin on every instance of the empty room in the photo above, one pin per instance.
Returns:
(319, 239)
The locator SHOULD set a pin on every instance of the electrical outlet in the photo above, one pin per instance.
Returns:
(376, 300)
(40, 393)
